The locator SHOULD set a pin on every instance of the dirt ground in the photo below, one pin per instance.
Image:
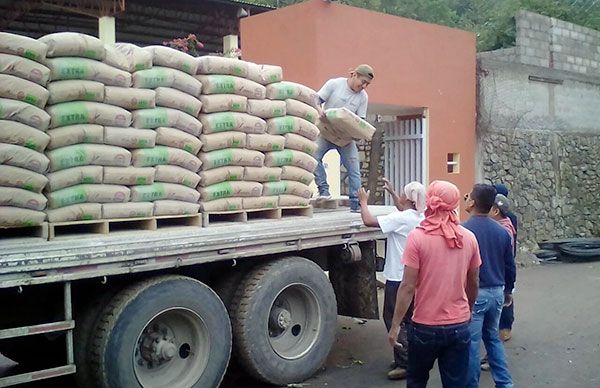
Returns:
(556, 338)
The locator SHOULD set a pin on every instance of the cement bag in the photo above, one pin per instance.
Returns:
(22, 46)
(260, 203)
(222, 205)
(231, 157)
(13, 132)
(129, 98)
(176, 174)
(219, 141)
(129, 137)
(264, 142)
(20, 89)
(74, 176)
(75, 134)
(175, 59)
(19, 177)
(87, 69)
(13, 196)
(163, 76)
(211, 64)
(293, 173)
(75, 90)
(292, 124)
(156, 191)
(16, 217)
(77, 212)
(300, 143)
(71, 113)
(230, 189)
(24, 68)
(88, 154)
(221, 174)
(232, 121)
(174, 208)
(229, 84)
(343, 126)
(287, 187)
(73, 44)
(115, 58)
(290, 158)
(24, 113)
(178, 139)
(18, 156)
(286, 200)
(266, 109)
(176, 99)
(148, 157)
(137, 57)
(88, 193)
(166, 117)
(262, 174)
(223, 103)
(127, 210)
(128, 176)
(302, 110)
(285, 89)
(264, 74)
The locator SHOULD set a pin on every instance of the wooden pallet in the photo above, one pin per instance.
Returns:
(303, 211)
(107, 226)
(36, 231)
(332, 203)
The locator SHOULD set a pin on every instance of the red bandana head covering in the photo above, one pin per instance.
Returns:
(440, 216)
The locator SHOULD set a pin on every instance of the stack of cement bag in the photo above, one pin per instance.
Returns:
(88, 131)
(173, 119)
(234, 137)
(23, 124)
(299, 132)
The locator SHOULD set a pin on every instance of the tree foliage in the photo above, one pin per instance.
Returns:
(491, 20)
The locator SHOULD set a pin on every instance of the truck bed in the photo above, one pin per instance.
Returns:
(29, 261)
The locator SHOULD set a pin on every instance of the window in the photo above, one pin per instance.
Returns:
(453, 163)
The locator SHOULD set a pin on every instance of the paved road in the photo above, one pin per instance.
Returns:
(556, 338)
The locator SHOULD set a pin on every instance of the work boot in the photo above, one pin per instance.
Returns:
(397, 374)
(505, 335)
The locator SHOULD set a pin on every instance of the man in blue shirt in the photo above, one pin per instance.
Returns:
(496, 281)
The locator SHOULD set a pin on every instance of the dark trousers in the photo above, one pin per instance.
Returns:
(389, 304)
(448, 344)
(507, 317)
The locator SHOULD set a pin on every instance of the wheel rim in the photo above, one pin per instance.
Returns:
(294, 321)
(172, 350)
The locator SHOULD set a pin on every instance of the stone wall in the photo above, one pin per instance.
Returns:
(538, 128)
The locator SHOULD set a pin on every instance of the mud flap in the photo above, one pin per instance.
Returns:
(355, 284)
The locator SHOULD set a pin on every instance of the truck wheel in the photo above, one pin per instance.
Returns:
(169, 331)
(284, 320)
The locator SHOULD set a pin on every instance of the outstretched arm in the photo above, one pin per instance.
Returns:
(367, 217)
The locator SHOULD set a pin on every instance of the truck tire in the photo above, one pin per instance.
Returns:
(85, 323)
(168, 331)
(284, 320)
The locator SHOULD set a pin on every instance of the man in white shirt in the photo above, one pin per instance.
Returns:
(346, 93)
(396, 226)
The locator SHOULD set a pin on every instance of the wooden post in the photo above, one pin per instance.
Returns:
(106, 30)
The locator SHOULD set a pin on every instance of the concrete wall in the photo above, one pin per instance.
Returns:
(538, 128)
(416, 65)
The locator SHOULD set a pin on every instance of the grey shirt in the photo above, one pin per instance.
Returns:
(337, 94)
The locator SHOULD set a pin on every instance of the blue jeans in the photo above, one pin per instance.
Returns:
(349, 159)
(484, 325)
(448, 344)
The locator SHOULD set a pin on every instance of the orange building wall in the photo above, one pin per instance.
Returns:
(416, 64)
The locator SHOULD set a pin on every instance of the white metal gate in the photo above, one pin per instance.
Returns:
(404, 151)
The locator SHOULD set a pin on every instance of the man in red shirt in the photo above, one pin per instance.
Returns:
(441, 270)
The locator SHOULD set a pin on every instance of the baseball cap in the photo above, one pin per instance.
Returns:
(502, 203)
(501, 189)
(365, 70)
